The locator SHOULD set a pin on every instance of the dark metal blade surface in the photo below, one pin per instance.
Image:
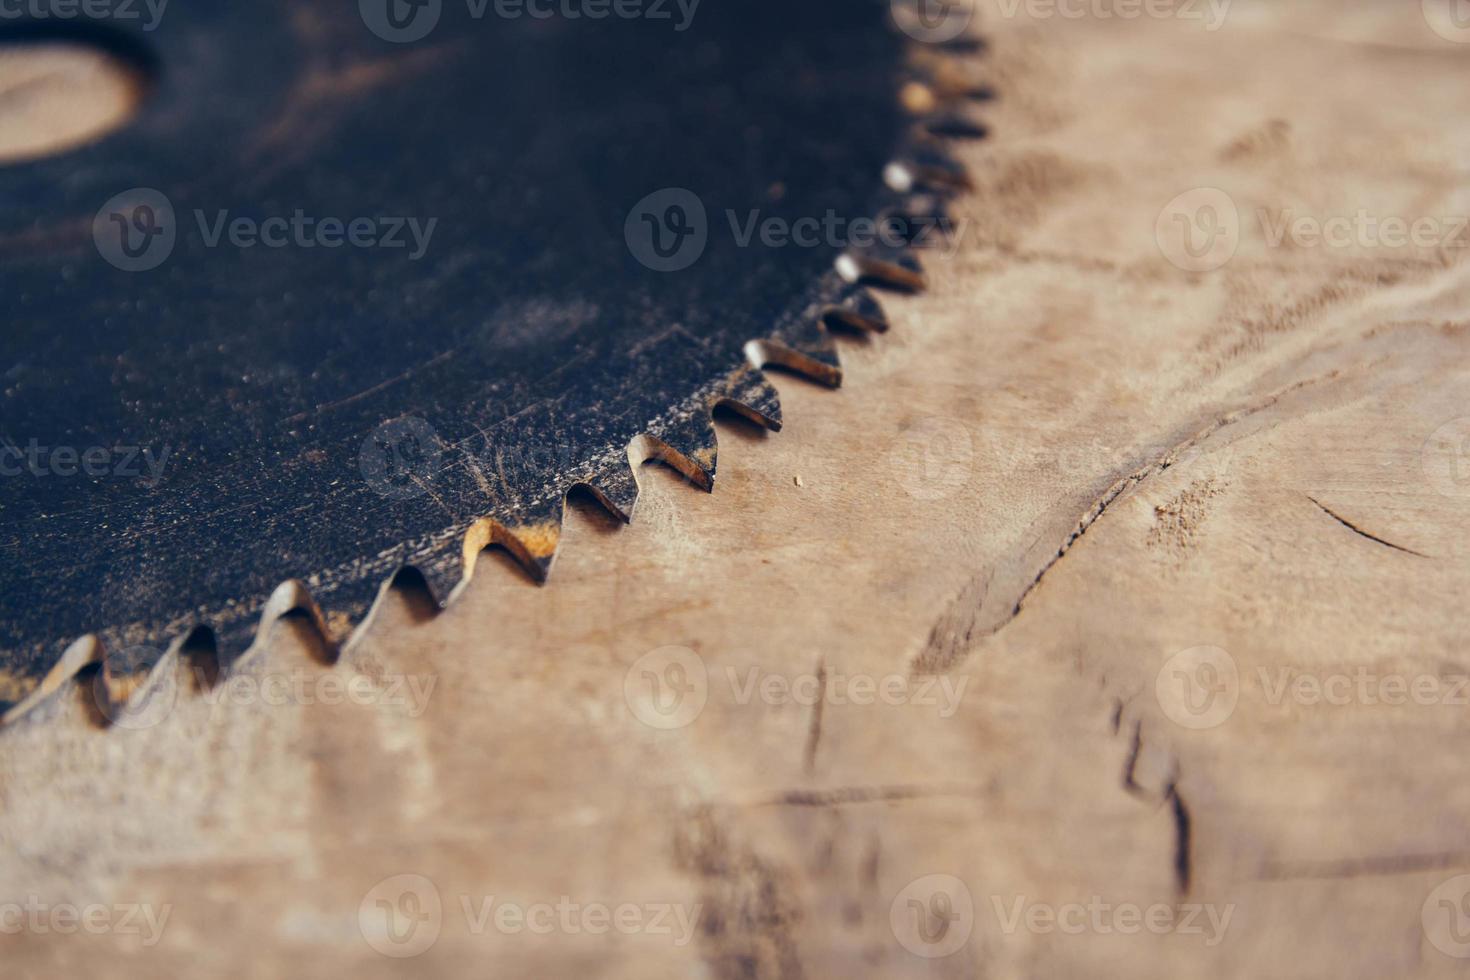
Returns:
(475, 295)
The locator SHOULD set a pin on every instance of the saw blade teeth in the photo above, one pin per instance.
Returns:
(749, 394)
(941, 81)
(859, 310)
(922, 221)
(687, 443)
(236, 633)
(442, 571)
(76, 657)
(942, 74)
(342, 607)
(532, 541)
(811, 355)
(616, 489)
(954, 124)
(926, 170)
(126, 669)
(893, 268)
(941, 102)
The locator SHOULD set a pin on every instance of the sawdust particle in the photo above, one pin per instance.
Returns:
(1178, 521)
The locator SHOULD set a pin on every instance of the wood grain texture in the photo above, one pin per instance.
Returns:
(1065, 466)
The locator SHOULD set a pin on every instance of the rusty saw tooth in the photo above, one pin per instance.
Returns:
(926, 169)
(928, 93)
(942, 75)
(685, 442)
(919, 221)
(127, 691)
(337, 605)
(893, 268)
(747, 393)
(126, 669)
(531, 541)
(858, 310)
(811, 353)
(801, 341)
(953, 124)
(616, 488)
(442, 571)
(76, 657)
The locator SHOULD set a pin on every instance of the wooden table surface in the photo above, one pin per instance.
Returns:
(1109, 620)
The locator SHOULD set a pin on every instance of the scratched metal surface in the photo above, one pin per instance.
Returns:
(520, 353)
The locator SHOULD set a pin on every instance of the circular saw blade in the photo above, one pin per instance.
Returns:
(334, 304)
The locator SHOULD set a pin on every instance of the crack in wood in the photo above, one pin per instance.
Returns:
(955, 632)
(1369, 867)
(1362, 533)
(814, 733)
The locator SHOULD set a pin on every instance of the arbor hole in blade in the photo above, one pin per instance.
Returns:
(67, 84)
